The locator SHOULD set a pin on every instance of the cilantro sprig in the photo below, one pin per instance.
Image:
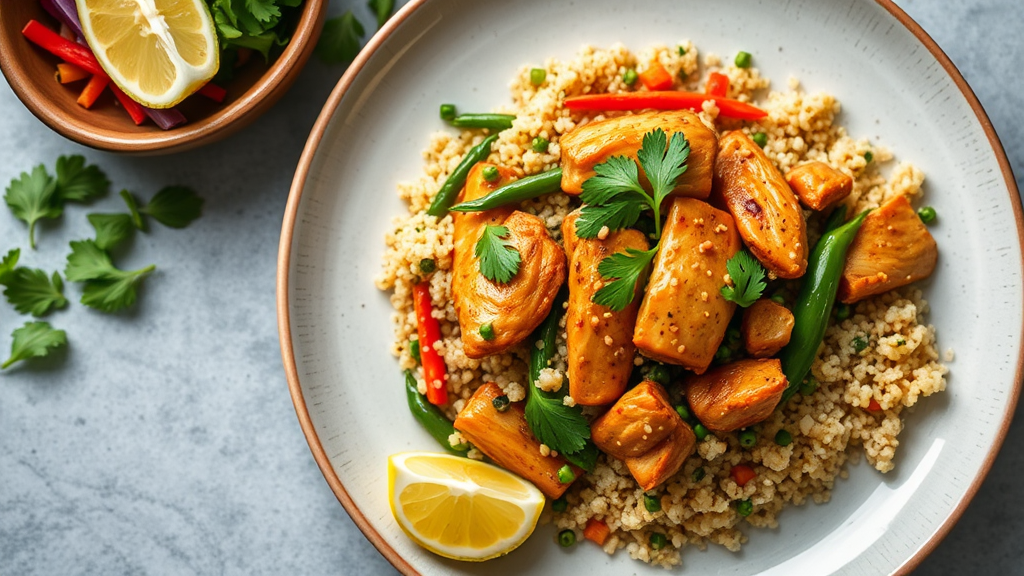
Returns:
(34, 340)
(260, 25)
(172, 206)
(747, 276)
(499, 259)
(107, 288)
(614, 198)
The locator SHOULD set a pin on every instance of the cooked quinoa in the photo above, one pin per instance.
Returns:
(860, 397)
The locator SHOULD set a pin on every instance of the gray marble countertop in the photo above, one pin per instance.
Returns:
(164, 441)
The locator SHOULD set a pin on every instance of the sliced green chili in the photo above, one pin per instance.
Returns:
(515, 192)
(449, 191)
(431, 417)
(485, 120)
(813, 305)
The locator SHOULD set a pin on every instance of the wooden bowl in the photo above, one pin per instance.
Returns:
(254, 89)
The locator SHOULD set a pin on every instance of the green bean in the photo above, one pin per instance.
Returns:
(835, 219)
(457, 179)
(515, 192)
(430, 416)
(487, 120)
(813, 305)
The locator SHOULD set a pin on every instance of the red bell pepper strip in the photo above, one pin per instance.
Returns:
(664, 100)
(213, 92)
(718, 84)
(434, 370)
(62, 48)
(596, 531)
(656, 77)
(742, 474)
(92, 90)
(133, 108)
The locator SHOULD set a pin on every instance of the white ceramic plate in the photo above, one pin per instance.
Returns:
(896, 87)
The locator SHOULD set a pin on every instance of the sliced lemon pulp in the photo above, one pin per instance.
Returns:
(461, 508)
(157, 51)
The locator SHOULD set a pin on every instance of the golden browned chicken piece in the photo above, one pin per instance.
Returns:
(600, 340)
(513, 309)
(636, 423)
(766, 328)
(818, 185)
(766, 210)
(665, 459)
(736, 395)
(506, 438)
(683, 317)
(593, 143)
(892, 248)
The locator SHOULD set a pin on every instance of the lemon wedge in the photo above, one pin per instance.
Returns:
(157, 51)
(461, 508)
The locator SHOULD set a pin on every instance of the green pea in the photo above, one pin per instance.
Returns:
(414, 350)
(779, 299)
(760, 138)
(700, 432)
(447, 111)
(660, 374)
(926, 214)
(743, 59)
(843, 311)
(566, 538)
(559, 504)
(629, 77)
(723, 354)
(808, 386)
(566, 475)
(683, 412)
(860, 343)
(537, 76)
(783, 438)
(744, 507)
(540, 144)
(748, 438)
(487, 331)
(501, 403)
(491, 173)
(652, 503)
(868, 156)
(658, 541)
(427, 265)
(699, 474)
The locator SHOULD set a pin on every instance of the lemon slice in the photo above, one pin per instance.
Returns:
(157, 51)
(461, 508)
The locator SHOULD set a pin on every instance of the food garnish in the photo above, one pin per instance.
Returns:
(499, 259)
(449, 191)
(340, 39)
(435, 373)
(32, 291)
(747, 276)
(34, 340)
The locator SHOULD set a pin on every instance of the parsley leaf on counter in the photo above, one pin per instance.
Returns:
(174, 206)
(747, 278)
(31, 291)
(340, 39)
(31, 197)
(382, 9)
(111, 229)
(77, 182)
(34, 340)
(107, 288)
(499, 259)
(624, 269)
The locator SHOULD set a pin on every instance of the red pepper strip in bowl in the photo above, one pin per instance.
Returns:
(664, 100)
(429, 330)
(66, 50)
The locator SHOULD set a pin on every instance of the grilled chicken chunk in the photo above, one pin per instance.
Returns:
(600, 340)
(766, 210)
(593, 143)
(683, 317)
(659, 463)
(892, 248)
(736, 395)
(818, 185)
(641, 419)
(513, 309)
(506, 438)
(766, 328)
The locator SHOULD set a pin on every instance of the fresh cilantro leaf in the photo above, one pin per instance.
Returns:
(615, 215)
(8, 263)
(77, 182)
(263, 10)
(560, 427)
(747, 277)
(585, 458)
(34, 340)
(31, 291)
(499, 259)
(111, 229)
(340, 39)
(383, 10)
(107, 288)
(662, 166)
(133, 208)
(616, 175)
(624, 270)
(31, 197)
(174, 206)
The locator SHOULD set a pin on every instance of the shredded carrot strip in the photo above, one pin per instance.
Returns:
(596, 531)
(68, 73)
(92, 90)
